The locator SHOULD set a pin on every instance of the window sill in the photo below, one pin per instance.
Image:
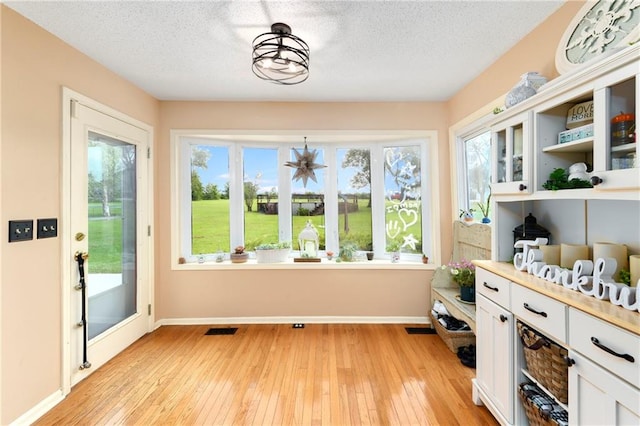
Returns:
(251, 264)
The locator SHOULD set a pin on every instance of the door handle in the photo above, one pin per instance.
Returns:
(490, 287)
(530, 309)
(80, 257)
(596, 342)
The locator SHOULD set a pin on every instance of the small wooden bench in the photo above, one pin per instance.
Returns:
(470, 242)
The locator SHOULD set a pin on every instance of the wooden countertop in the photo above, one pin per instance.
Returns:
(603, 309)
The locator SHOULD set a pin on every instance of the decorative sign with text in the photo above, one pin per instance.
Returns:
(590, 278)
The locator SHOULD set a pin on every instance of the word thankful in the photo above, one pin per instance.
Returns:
(587, 277)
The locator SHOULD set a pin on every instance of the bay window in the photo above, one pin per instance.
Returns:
(375, 193)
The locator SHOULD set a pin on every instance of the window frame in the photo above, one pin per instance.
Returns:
(182, 140)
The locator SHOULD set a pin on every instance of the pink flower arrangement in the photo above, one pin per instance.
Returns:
(463, 273)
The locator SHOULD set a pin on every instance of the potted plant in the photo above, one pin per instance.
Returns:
(464, 274)
(347, 251)
(466, 215)
(272, 252)
(393, 247)
(484, 209)
(239, 255)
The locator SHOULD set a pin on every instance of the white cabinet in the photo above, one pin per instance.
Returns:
(511, 155)
(494, 358)
(613, 159)
(616, 161)
(614, 349)
(494, 381)
(605, 372)
(597, 397)
(526, 145)
(603, 359)
(541, 312)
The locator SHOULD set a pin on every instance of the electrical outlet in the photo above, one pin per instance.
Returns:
(298, 325)
(47, 228)
(20, 230)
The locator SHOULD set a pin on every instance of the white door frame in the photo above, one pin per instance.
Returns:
(68, 96)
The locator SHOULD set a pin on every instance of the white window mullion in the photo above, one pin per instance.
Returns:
(284, 194)
(377, 200)
(331, 198)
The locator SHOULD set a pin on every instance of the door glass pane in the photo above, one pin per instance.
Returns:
(403, 206)
(354, 197)
(517, 153)
(260, 178)
(501, 141)
(111, 268)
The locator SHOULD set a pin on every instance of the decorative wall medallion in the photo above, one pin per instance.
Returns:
(600, 28)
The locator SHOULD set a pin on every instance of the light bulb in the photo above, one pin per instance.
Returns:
(267, 63)
(292, 67)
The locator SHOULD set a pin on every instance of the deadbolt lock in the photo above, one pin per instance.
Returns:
(79, 236)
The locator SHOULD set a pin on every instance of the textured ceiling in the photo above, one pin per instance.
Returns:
(360, 50)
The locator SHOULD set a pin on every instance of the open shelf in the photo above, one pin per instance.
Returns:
(457, 309)
(580, 145)
(543, 389)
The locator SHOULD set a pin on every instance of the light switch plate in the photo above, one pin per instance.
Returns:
(20, 230)
(47, 228)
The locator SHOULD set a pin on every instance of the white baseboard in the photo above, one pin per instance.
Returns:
(292, 320)
(39, 409)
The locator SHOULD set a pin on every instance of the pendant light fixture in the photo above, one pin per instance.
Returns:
(280, 57)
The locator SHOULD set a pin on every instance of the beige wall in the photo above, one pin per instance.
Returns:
(35, 66)
(272, 292)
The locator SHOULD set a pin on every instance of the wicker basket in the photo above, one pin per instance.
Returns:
(545, 361)
(453, 339)
(540, 409)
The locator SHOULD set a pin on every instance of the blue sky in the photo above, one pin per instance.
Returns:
(261, 165)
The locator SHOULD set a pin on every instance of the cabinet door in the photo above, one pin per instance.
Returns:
(615, 156)
(494, 355)
(597, 397)
(511, 156)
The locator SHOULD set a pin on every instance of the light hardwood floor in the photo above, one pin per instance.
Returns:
(323, 374)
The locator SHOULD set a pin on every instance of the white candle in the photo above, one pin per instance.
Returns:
(569, 253)
(310, 248)
(616, 251)
(551, 254)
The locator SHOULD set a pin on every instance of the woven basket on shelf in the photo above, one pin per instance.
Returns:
(546, 361)
(453, 339)
(539, 408)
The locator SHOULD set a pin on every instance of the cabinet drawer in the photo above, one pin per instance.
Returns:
(543, 313)
(493, 287)
(583, 328)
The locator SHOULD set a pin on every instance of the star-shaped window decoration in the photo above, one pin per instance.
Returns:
(305, 164)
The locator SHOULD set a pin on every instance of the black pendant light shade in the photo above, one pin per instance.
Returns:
(280, 57)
